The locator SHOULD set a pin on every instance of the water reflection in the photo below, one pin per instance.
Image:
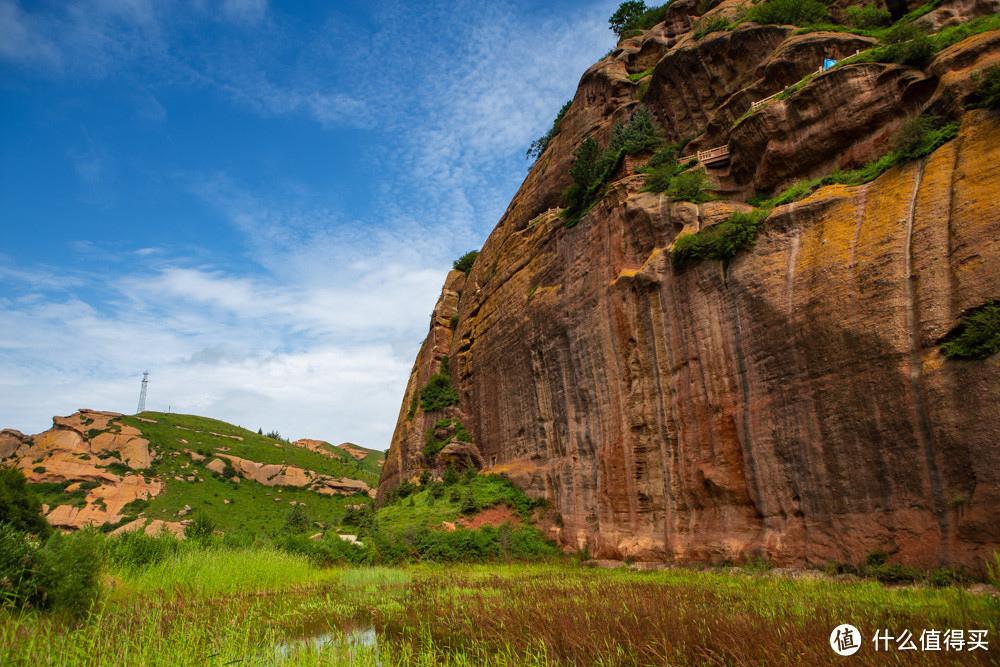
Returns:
(349, 640)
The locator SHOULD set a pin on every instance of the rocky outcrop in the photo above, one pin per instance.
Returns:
(285, 475)
(791, 402)
(153, 528)
(404, 458)
(104, 503)
(10, 441)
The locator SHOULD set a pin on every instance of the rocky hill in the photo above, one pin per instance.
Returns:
(153, 471)
(754, 367)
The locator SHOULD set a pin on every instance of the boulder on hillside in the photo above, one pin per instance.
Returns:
(461, 455)
(10, 441)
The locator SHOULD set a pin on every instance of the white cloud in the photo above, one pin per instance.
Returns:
(245, 11)
(21, 37)
(316, 333)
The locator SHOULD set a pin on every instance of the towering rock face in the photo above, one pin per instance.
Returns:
(791, 402)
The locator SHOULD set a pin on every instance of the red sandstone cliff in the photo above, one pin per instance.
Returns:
(791, 402)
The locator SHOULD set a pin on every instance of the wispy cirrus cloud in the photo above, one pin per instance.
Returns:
(309, 319)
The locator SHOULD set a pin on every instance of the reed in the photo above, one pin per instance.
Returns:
(262, 606)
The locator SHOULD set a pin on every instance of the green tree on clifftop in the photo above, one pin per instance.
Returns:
(627, 14)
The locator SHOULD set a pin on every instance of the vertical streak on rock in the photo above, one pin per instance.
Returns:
(746, 439)
(950, 230)
(809, 420)
(924, 434)
(862, 203)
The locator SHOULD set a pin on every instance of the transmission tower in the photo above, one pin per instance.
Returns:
(142, 394)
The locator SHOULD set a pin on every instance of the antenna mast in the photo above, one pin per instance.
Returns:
(142, 394)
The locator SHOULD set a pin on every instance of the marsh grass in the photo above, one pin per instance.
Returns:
(212, 613)
(224, 571)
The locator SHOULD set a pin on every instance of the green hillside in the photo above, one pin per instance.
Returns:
(185, 445)
(210, 434)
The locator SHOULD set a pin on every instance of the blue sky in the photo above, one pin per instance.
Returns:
(256, 201)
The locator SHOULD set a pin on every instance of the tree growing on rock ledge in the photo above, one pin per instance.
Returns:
(626, 16)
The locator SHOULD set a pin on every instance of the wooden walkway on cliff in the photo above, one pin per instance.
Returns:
(713, 156)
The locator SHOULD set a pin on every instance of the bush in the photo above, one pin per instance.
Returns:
(461, 435)
(405, 489)
(200, 528)
(61, 575)
(19, 506)
(906, 44)
(425, 478)
(987, 92)
(789, 12)
(327, 551)
(869, 16)
(464, 263)
(709, 24)
(450, 476)
(118, 468)
(689, 186)
(660, 169)
(539, 145)
(136, 549)
(296, 521)
(978, 336)
(70, 569)
(592, 167)
(587, 161)
(721, 241)
(638, 135)
(922, 135)
(18, 566)
(134, 507)
(438, 394)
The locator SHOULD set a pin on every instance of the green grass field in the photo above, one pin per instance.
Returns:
(257, 605)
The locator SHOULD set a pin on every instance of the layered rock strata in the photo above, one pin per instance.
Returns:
(791, 402)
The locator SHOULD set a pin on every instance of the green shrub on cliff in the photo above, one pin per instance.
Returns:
(987, 92)
(660, 169)
(978, 336)
(921, 135)
(639, 135)
(539, 145)
(917, 138)
(438, 393)
(633, 16)
(709, 24)
(464, 263)
(690, 186)
(869, 16)
(719, 242)
(593, 167)
(788, 12)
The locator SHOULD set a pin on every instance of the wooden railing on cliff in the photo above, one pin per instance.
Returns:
(759, 103)
(822, 68)
(714, 155)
